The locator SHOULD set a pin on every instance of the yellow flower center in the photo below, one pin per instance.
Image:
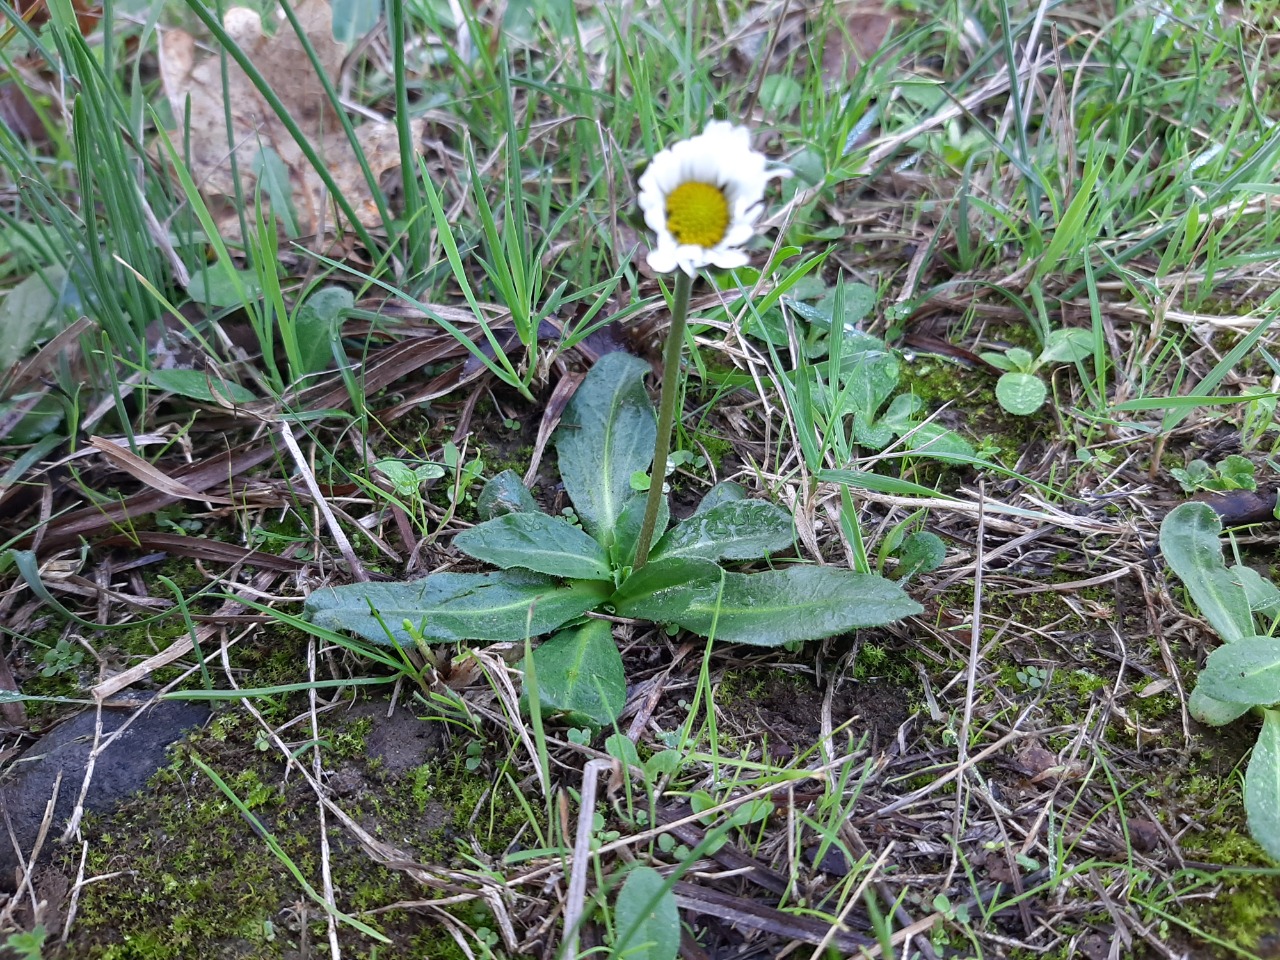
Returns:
(697, 214)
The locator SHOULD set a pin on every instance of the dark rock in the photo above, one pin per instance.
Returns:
(122, 769)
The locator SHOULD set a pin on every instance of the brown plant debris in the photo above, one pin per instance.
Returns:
(260, 138)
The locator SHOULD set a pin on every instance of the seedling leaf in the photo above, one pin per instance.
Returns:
(505, 493)
(646, 917)
(1021, 393)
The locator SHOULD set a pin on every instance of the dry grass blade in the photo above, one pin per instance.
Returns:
(205, 634)
(750, 915)
(202, 548)
(202, 477)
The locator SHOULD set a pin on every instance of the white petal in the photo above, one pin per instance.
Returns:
(662, 258)
(691, 256)
(655, 218)
(729, 259)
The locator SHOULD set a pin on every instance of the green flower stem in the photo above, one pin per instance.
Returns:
(666, 413)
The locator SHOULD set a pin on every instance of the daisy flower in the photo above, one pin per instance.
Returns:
(702, 197)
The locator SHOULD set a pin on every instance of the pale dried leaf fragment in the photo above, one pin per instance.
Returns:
(194, 82)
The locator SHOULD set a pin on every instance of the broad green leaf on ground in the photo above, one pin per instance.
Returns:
(444, 607)
(722, 492)
(858, 302)
(903, 413)
(630, 521)
(1190, 545)
(735, 530)
(199, 385)
(505, 493)
(775, 607)
(273, 180)
(920, 552)
(646, 917)
(28, 313)
(655, 579)
(868, 376)
(1067, 346)
(352, 19)
(1262, 786)
(1246, 671)
(317, 324)
(1021, 393)
(606, 434)
(780, 94)
(579, 672)
(1215, 713)
(870, 432)
(536, 542)
(939, 443)
(620, 747)
(34, 417)
(222, 286)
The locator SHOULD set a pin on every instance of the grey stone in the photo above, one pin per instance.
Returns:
(121, 770)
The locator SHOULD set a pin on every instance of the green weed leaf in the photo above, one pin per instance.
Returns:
(870, 432)
(199, 385)
(776, 607)
(536, 542)
(1215, 713)
(655, 579)
(1067, 346)
(606, 434)
(939, 443)
(722, 492)
(1262, 594)
(580, 673)
(1189, 542)
(1021, 393)
(222, 286)
(1262, 786)
(780, 94)
(316, 325)
(627, 534)
(869, 374)
(447, 607)
(352, 19)
(646, 918)
(27, 944)
(1246, 671)
(28, 313)
(1021, 359)
(503, 494)
(734, 530)
(920, 552)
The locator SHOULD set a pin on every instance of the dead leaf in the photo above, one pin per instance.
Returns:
(36, 12)
(868, 23)
(17, 113)
(262, 143)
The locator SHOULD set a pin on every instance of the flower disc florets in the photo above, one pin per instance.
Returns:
(702, 197)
